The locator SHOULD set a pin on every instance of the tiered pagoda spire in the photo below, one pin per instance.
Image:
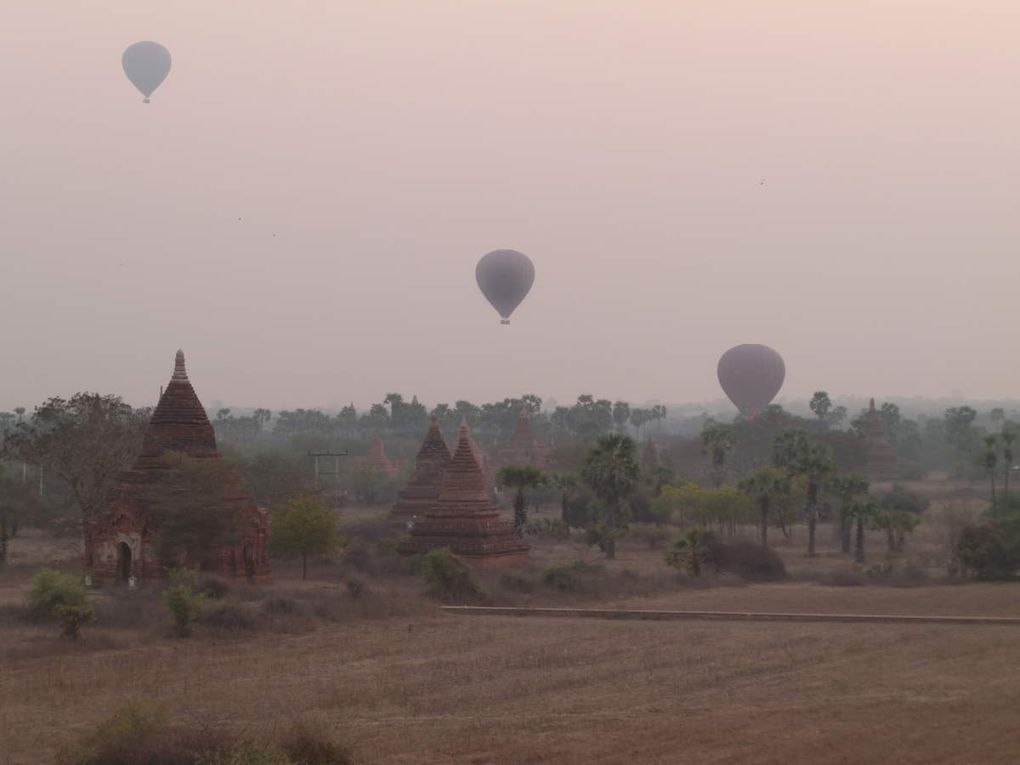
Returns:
(523, 448)
(422, 489)
(464, 519)
(377, 459)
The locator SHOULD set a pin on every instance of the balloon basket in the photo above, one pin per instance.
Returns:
(504, 321)
(145, 100)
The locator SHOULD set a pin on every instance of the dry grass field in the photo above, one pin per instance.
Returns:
(404, 683)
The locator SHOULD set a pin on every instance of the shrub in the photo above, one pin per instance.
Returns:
(992, 550)
(448, 578)
(653, 536)
(129, 736)
(694, 551)
(550, 528)
(575, 577)
(51, 589)
(305, 746)
(281, 606)
(751, 562)
(184, 603)
(516, 583)
(213, 587)
(141, 734)
(72, 618)
(63, 596)
(232, 617)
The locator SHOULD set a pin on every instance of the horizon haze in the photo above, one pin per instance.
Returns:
(302, 205)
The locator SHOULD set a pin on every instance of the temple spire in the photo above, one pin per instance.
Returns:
(180, 371)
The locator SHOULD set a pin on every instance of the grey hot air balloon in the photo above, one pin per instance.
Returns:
(505, 278)
(146, 64)
(751, 375)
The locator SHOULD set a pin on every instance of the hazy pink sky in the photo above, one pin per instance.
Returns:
(622, 145)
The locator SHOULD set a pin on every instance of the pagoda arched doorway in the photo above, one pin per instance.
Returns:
(123, 562)
(249, 561)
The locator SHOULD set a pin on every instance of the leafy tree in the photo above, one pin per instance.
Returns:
(1008, 437)
(861, 511)
(184, 602)
(611, 471)
(991, 461)
(621, 415)
(799, 456)
(566, 484)
(639, 418)
(848, 489)
(992, 550)
(189, 505)
(519, 478)
(86, 441)
(63, 596)
(959, 428)
(262, 417)
(304, 526)
(821, 405)
(764, 486)
(275, 476)
(693, 551)
(896, 524)
(717, 440)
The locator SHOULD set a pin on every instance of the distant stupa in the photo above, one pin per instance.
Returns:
(523, 448)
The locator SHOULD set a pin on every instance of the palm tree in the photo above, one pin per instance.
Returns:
(862, 510)
(717, 440)
(764, 485)
(793, 452)
(566, 484)
(848, 489)
(1008, 437)
(611, 470)
(991, 460)
(520, 477)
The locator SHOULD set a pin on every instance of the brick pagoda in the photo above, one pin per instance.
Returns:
(464, 519)
(122, 542)
(377, 459)
(422, 489)
(880, 461)
(523, 448)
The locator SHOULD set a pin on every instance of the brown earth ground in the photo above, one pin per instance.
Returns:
(408, 684)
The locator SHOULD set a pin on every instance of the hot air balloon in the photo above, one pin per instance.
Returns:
(751, 375)
(505, 278)
(146, 64)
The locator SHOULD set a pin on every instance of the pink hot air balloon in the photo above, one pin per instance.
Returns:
(751, 376)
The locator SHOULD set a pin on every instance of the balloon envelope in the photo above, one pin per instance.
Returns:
(146, 64)
(751, 375)
(505, 278)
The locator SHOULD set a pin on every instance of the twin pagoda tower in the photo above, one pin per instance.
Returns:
(446, 505)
